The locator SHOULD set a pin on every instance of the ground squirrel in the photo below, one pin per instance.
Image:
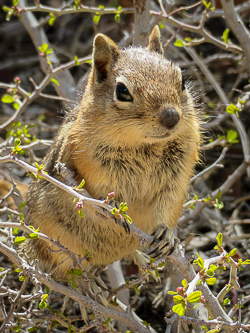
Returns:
(135, 132)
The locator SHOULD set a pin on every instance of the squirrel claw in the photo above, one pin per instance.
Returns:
(120, 221)
(165, 240)
(123, 223)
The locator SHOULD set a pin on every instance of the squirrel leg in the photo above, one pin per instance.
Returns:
(164, 240)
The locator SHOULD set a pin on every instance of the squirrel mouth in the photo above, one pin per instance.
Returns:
(160, 136)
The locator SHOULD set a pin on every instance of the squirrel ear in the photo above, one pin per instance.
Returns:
(104, 54)
(155, 41)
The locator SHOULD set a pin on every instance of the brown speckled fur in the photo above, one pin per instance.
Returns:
(122, 147)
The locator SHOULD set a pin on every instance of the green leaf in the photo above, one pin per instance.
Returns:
(17, 328)
(80, 212)
(231, 253)
(72, 283)
(207, 4)
(179, 309)
(42, 305)
(15, 2)
(231, 109)
(43, 48)
(22, 278)
(184, 283)
(18, 270)
(15, 231)
(161, 25)
(45, 297)
(81, 184)
(117, 18)
(225, 35)
(218, 204)
(22, 205)
(226, 301)
(219, 194)
(33, 235)
(179, 43)
(128, 218)
(178, 299)
(194, 297)
(49, 51)
(200, 262)
(19, 240)
(107, 323)
(7, 9)
(8, 16)
(52, 20)
(96, 19)
(210, 272)
(219, 239)
(144, 322)
(213, 267)
(77, 272)
(55, 81)
(7, 98)
(16, 106)
(211, 281)
(231, 136)
(172, 292)
(136, 289)
(32, 329)
(76, 60)
(246, 262)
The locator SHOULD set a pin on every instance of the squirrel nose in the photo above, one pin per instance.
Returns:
(169, 117)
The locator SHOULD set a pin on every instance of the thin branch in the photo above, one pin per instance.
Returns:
(134, 230)
(238, 27)
(14, 304)
(67, 84)
(199, 30)
(223, 97)
(214, 165)
(223, 188)
(70, 292)
(214, 323)
(82, 9)
(36, 93)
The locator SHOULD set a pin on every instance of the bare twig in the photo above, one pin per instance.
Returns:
(214, 165)
(70, 292)
(238, 27)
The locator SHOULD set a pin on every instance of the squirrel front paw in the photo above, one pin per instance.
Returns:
(164, 240)
(119, 219)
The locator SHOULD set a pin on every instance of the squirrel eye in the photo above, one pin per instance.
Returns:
(183, 87)
(122, 93)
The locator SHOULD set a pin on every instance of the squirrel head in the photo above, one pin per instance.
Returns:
(136, 95)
